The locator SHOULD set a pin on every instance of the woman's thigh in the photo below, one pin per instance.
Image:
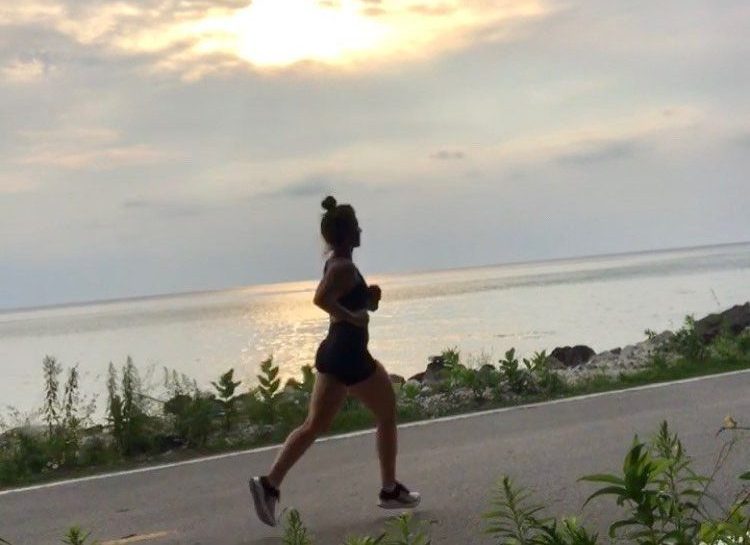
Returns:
(376, 393)
(327, 397)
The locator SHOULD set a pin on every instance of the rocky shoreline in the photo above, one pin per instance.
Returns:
(435, 389)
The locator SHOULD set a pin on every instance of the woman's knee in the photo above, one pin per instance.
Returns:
(386, 416)
(315, 426)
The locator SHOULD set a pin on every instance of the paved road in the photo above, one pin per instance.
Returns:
(453, 463)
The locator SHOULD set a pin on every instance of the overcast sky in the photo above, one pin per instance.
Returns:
(152, 146)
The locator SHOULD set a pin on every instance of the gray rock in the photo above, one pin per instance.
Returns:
(396, 379)
(463, 395)
(572, 356)
(436, 371)
(734, 320)
(419, 377)
(554, 363)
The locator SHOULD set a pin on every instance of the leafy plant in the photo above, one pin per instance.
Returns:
(76, 536)
(403, 531)
(410, 391)
(513, 518)
(295, 532)
(50, 412)
(545, 379)
(517, 379)
(568, 531)
(225, 388)
(269, 388)
(63, 414)
(662, 494)
(687, 342)
(126, 410)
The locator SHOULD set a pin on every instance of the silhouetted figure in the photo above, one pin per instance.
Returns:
(345, 366)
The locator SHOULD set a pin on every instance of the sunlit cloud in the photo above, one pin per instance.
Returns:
(199, 37)
(20, 71)
(84, 149)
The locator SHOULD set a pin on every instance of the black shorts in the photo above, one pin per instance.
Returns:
(344, 355)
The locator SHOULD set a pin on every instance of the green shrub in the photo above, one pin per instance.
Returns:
(225, 388)
(194, 416)
(518, 380)
(545, 380)
(126, 410)
(687, 343)
(663, 497)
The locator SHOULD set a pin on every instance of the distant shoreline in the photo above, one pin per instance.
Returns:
(175, 295)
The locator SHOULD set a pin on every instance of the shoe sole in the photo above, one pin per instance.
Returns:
(392, 504)
(261, 510)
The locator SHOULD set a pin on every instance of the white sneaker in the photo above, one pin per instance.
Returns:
(399, 498)
(265, 498)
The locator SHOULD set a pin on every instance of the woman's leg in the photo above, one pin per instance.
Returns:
(376, 393)
(326, 400)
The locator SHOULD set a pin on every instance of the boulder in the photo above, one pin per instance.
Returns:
(554, 363)
(734, 320)
(573, 356)
(436, 371)
(397, 379)
(419, 377)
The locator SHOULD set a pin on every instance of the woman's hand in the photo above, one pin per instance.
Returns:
(373, 297)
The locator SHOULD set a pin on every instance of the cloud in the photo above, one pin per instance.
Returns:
(448, 155)
(163, 209)
(374, 12)
(437, 10)
(189, 37)
(82, 148)
(100, 159)
(308, 187)
(23, 71)
(598, 152)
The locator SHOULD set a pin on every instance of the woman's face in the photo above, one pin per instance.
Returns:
(357, 235)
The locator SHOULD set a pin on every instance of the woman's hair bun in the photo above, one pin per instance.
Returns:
(329, 203)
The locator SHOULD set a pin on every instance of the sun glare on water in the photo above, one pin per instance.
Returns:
(284, 32)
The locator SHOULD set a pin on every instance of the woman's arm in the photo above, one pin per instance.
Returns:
(338, 280)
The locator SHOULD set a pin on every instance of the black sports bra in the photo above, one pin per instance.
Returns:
(357, 297)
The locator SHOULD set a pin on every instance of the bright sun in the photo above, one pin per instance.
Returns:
(279, 33)
(283, 32)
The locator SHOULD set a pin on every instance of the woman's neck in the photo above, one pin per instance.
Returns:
(342, 252)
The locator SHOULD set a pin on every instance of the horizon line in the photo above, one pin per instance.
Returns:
(170, 295)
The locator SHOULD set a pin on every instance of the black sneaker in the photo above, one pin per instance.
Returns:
(399, 498)
(265, 497)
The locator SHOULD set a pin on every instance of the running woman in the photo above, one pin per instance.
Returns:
(344, 366)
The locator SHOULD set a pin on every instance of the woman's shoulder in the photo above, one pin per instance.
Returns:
(339, 264)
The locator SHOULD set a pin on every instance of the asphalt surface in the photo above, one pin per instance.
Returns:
(454, 463)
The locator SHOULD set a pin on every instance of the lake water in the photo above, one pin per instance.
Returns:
(603, 302)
